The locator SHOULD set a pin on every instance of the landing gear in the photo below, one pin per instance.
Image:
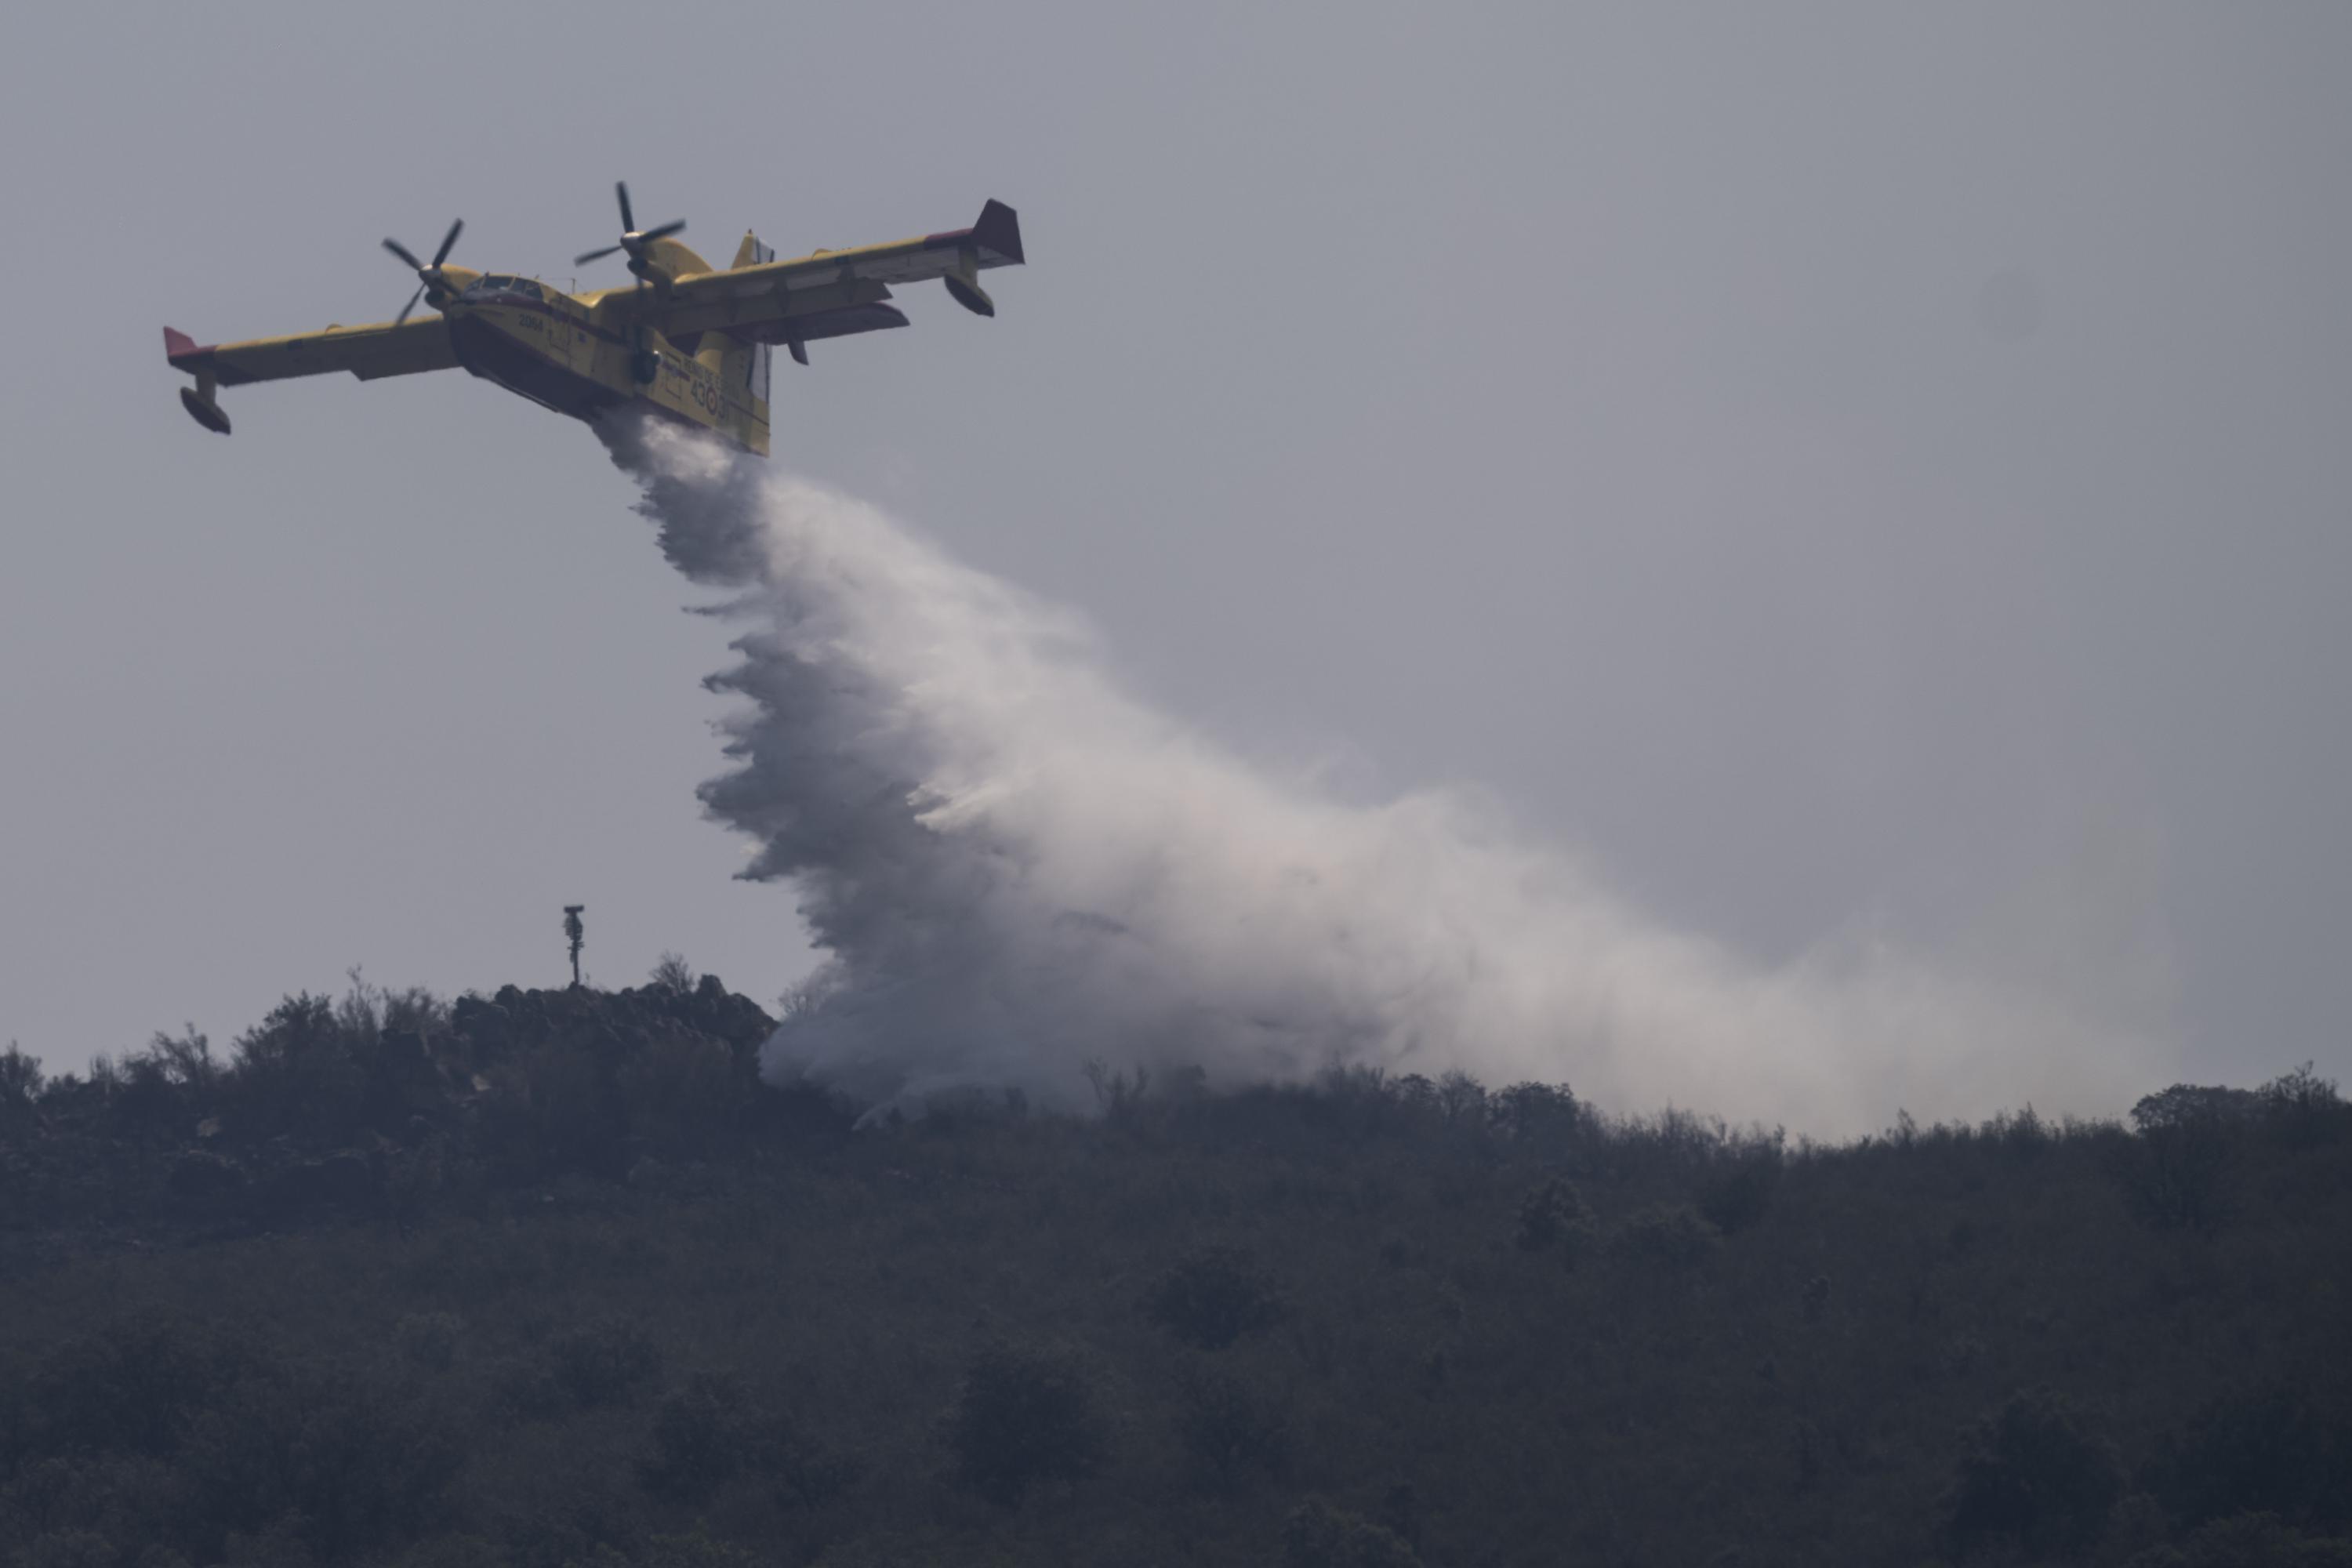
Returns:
(643, 365)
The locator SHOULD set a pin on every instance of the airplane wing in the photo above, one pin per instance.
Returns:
(832, 293)
(369, 352)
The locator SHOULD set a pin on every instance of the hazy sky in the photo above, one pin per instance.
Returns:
(1850, 474)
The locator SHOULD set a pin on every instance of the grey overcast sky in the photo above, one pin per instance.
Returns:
(1847, 472)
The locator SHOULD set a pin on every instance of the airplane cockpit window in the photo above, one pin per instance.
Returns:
(498, 283)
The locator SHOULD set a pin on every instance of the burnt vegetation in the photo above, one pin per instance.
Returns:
(553, 1279)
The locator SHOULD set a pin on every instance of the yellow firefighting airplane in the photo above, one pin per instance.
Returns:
(690, 341)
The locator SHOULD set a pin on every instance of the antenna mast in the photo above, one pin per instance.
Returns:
(576, 933)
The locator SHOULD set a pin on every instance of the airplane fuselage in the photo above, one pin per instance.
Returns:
(578, 358)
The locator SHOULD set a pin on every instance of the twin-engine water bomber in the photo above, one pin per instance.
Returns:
(689, 341)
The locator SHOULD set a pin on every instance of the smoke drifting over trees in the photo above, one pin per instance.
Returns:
(1016, 866)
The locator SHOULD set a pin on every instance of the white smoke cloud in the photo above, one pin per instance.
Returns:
(1016, 866)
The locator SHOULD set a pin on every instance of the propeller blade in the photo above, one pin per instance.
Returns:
(585, 257)
(621, 189)
(402, 317)
(447, 241)
(663, 232)
(403, 252)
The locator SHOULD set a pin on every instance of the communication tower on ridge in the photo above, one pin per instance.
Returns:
(576, 933)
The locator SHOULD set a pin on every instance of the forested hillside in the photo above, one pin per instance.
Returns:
(553, 1278)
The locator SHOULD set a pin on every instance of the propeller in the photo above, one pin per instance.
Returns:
(633, 239)
(636, 242)
(429, 277)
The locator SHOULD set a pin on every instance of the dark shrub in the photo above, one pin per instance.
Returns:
(2035, 1475)
(355, 1463)
(1231, 1431)
(1555, 1216)
(2174, 1170)
(2300, 1108)
(1318, 1535)
(1539, 1119)
(2190, 1102)
(602, 1361)
(123, 1498)
(1805, 1453)
(1667, 1235)
(20, 1080)
(453, 1552)
(200, 1173)
(1399, 1512)
(1735, 1195)
(1023, 1417)
(695, 1550)
(2272, 1450)
(2250, 1540)
(566, 1517)
(1461, 1100)
(1213, 1298)
(183, 1062)
(2021, 1133)
(802, 1472)
(428, 1341)
(683, 1094)
(344, 1182)
(134, 1385)
(599, 1363)
(698, 1441)
(282, 1545)
(557, 1108)
(706, 1434)
(72, 1549)
(295, 1073)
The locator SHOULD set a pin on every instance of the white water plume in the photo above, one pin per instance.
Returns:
(1014, 866)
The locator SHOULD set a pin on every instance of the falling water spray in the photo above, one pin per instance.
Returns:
(1012, 867)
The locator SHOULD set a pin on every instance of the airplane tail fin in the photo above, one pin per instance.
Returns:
(201, 400)
(998, 235)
